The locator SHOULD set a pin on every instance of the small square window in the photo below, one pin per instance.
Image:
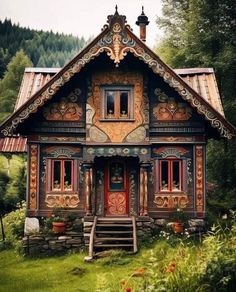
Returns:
(117, 103)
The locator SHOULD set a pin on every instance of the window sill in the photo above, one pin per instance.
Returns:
(61, 193)
(117, 120)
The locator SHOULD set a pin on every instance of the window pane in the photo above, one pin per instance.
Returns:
(68, 175)
(116, 172)
(124, 104)
(176, 176)
(164, 175)
(56, 185)
(110, 103)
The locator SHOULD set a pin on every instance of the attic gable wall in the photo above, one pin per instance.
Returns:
(116, 40)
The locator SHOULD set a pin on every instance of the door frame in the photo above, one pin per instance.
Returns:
(106, 186)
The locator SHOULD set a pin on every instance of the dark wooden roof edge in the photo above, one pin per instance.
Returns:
(147, 51)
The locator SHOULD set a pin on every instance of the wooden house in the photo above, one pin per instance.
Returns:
(116, 133)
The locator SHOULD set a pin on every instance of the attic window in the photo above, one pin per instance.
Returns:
(117, 103)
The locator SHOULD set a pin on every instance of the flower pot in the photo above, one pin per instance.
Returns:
(58, 227)
(177, 227)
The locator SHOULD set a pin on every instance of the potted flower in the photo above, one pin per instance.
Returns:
(58, 221)
(178, 218)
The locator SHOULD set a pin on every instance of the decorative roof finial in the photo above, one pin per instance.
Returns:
(116, 7)
(142, 10)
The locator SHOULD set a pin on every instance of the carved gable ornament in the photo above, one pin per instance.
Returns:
(117, 40)
(168, 109)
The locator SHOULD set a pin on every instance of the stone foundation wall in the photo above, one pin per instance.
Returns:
(76, 237)
(48, 243)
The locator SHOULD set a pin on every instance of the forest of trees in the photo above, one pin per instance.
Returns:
(202, 33)
(44, 49)
(24, 47)
(20, 48)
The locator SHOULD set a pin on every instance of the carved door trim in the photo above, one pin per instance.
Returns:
(116, 188)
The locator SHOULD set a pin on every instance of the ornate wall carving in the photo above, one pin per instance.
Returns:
(199, 180)
(62, 200)
(65, 110)
(116, 203)
(170, 151)
(171, 201)
(116, 131)
(137, 135)
(96, 135)
(168, 109)
(33, 177)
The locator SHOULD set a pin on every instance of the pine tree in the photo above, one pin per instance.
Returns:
(10, 84)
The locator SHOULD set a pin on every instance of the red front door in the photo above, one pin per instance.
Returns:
(116, 188)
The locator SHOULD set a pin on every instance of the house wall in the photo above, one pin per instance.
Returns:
(71, 126)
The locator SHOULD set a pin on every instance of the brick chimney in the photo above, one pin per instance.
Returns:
(142, 22)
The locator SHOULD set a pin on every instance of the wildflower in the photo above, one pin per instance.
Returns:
(139, 273)
(128, 290)
(123, 282)
(171, 267)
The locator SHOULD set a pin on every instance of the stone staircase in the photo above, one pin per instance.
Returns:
(113, 233)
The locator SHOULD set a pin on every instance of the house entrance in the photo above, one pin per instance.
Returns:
(116, 188)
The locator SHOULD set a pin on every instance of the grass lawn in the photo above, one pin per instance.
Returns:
(170, 264)
(63, 273)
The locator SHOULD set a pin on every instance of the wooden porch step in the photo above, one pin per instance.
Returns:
(114, 219)
(113, 231)
(113, 239)
(113, 225)
(113, 245)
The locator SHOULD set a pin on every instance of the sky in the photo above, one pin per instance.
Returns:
(80, 17)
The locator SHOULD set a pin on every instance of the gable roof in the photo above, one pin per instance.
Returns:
(117, 39)
(202, 80)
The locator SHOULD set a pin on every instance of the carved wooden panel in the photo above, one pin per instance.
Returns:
(33, 177)
(116, 203)
(65, 110)
(116, 131)
(171, 201)
(169, 109)
(199, 180)
(62, 200)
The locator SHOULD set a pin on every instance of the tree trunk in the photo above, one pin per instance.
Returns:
(2, 229)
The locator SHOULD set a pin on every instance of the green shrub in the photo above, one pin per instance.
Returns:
(14, 225)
